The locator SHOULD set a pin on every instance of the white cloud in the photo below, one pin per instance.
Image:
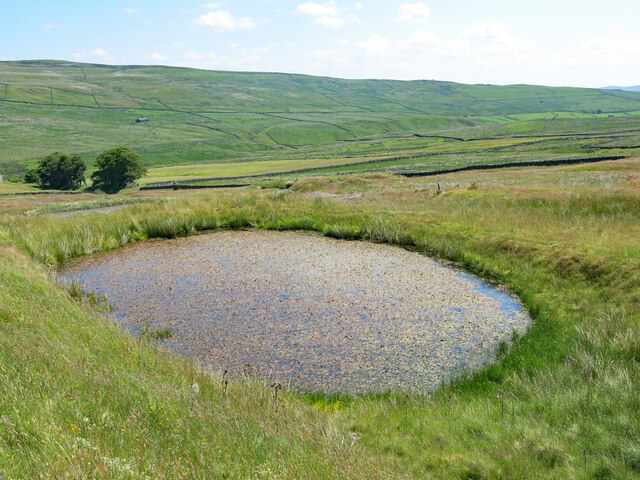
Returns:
(490, 29)
(480, 45)
(49, 26)
(211, 5)
(158, 56)
(456, 48)
(327, 15)
(326, 55)
(425, 38)
(236, 61)
(376, 45)
(596, 53)
(492, 37)
(335, 22)
(99, 52)
(317, 10)
(200, 56)
(244, 62)
(96, 53)
(332, 22)
(176, 45)
(223, 20)
(413, 12)
(358, 6)
(130, 10)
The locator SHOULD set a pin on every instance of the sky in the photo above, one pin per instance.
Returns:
(585, 43)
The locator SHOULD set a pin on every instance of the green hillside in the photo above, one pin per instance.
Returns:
(199, 116)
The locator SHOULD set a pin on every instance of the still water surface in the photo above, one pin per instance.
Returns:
(315, 312)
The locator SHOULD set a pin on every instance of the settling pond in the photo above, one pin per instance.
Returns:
(314, 312)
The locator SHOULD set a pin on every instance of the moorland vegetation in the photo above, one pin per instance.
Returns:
(82, 399)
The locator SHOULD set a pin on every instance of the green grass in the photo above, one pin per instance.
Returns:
(567, 242)
(14, 188)
(411, 154)
(87, 205)
(221, 117)
(188, 172)
(127, 410)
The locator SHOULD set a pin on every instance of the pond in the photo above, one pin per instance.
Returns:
(306, 310)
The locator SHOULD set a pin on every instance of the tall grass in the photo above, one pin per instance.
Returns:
(88, 205)
(561, 402)
(81, 399)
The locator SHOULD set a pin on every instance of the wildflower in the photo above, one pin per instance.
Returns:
(196, 388)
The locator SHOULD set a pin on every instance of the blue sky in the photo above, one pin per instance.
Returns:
(560, 42)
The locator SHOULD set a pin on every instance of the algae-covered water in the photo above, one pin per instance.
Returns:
(315, 312)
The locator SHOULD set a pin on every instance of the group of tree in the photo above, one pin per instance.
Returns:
(58, 171)
(115, 169)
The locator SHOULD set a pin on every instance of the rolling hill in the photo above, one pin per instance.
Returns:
(635, 88)
(198, 116)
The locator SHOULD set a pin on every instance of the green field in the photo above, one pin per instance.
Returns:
(223, 117)
(10, 188)
(207, 170)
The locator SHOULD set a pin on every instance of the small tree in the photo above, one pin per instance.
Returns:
(60, 171)
(116, 168)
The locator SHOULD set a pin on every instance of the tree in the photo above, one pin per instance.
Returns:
(60, 171)
(116, 168)
(31, 176)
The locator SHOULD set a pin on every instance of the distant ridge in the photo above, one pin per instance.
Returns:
(635, 88)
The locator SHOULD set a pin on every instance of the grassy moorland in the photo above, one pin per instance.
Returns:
(81, 399)
(518, 142)
(212, 117)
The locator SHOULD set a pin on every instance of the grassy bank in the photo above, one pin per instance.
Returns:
(80, 398)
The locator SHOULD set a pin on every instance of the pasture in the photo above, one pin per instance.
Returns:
(82, 396)
(220, 117)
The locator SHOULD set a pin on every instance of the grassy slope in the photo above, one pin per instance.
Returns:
(203, 116)
(71, 408)
(564, 239)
